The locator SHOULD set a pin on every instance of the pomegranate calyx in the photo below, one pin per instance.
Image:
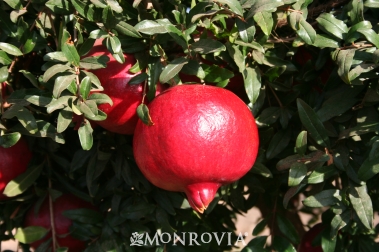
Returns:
(200, 195)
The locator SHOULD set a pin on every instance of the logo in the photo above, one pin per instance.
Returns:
(185, 238)
(136, 239)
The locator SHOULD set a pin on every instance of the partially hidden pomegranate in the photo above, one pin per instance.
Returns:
(62, 223)
(121, 117)
(202, 137)
(13, 162)
(309, 236)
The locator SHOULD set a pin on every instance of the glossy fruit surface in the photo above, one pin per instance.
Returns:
(62, 223)
(203, 137)
(309, 236)
(13, 162)
(121, 117)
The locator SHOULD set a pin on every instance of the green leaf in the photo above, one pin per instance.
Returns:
(338, 222)
(328, 244)
(10, 139)
(69, 50)
(3, 73)
(30, 234)
(41, 101)
(144, 115)
(64, 119)
(278, 143)
(207, 45)
(268, 116)
(263, 5)
(84, 215)
(283, 245)
(138, 79)
(62, 7)
(89, 108)
(344, 61)
(58, 68)
(324, 198)
(287, 228)
(85, 87)
(193, 68)
(301, 143)
(323, 41)
(61, 83)
(262, 170)
(45, 129)
(95, 62)
(30, 77)
(252, 82)
(85, 135)
(172, 69)
(115, 6)
(257, 244)
(4, 58)
(265, 21)
(234, 5)
(371, 36)
(303, 29)
(150, 27)
(24, 116)
(260, 227)
(371, 3)
(312, 123)
(297, 173)
(361, 202)
(322, 173)
(22, 182)
(291, 192)
(100, 98)
(127, 29)
(15, 4)
(10, 49)
(331, 25)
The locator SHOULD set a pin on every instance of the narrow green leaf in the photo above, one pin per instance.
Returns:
(207, 45)
(262, 170)
(324, 198)
(252, 82)
(287, 228)
(100, 98)
(85, 135)
(150, 27)
(371, 36)
(338, 222)
(172, 69)
(30, 234)
(320, 174)
(331, 25)
(138, 79)
(85, 87)
(265, 21)
(64, 119)
(10, 49)
(61, 83)
(301, 143)
(297, 173)
(234, 5)
(263, 5)
(312, 123)
(328, 244)
(260, 227)
(127, 29)
(302, 28)
(69, 50)
(10, 139)
(344, 61)
(50, 72)
(30, 77)
(143, 114)
(22, 182)
(361, 202)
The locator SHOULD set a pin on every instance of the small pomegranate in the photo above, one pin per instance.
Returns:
(14, 161)
(202, 137)
(121, 117)
(62, 224)
(306, 241)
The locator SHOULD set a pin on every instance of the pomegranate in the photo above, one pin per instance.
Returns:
(62, 224)
(202, 137)
(306, 241)
(121, 117)
(14, 161)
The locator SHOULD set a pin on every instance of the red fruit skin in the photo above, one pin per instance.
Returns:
(62, 224)
(203, 137)
(13, 162)
(306, 241)
(121, 117)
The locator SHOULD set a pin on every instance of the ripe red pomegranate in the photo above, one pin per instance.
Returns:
(203, 137)
(121, 117)
(14, 161)
(62, 224)
(306, 241)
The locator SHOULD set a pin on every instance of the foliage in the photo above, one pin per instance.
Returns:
(310, 78)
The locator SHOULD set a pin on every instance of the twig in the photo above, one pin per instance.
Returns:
(276, 97)
(52, 223)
